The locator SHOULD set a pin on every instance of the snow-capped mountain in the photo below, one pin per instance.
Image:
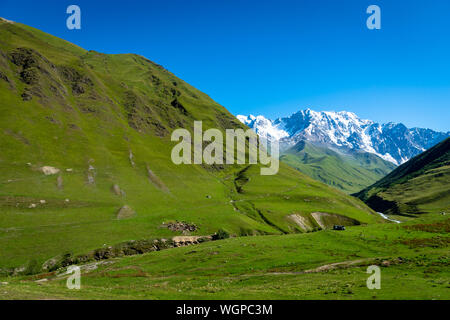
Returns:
(265, 128)
(393, 142)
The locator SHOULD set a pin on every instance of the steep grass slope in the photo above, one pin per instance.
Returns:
(421, 185)
(99, 125)
(349, 172)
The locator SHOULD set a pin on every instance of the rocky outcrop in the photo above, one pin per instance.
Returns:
(180, 241)
(180, 226)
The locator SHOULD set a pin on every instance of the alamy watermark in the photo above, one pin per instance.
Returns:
(74, 20)
(74, 280)
(374, 20)
(374, 280)
(236, 143)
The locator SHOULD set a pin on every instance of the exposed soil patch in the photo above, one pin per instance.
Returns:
(301, 221)
(157, 182)
(125, 213)
(435, 242)
(438, 227)
(18, 136)
(327, 220)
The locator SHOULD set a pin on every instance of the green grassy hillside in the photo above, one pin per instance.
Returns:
(420, 185)
(413, 259)
(349, 172)
(104, 122)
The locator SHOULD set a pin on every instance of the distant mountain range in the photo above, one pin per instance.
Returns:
(344, 130)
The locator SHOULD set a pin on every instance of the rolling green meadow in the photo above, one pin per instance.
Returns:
(85, 169)
(349, 172)
(413, 258)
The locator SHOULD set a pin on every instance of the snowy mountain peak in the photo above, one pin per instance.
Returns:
(393, 142)
(265, 128)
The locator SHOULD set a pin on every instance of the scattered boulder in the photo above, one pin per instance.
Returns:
(180, 226)
(104, 253)
(50, 264)
(47, 170)
(42, 201)
(125, 213)
(62, 260)
(18, 270)
(31, 206)
(386, 263)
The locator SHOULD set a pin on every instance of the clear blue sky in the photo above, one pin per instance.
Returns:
(276, 57)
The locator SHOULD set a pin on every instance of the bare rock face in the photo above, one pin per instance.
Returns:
(180, 241)
(6, 20)
(125, 213)
(301, 221)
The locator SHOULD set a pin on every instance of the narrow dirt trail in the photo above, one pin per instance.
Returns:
(322, 268)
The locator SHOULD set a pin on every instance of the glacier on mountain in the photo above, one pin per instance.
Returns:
(393, 142)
